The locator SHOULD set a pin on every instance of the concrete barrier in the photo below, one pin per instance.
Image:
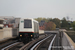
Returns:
(53, 32)
(7, 33)
(67, 42)
(41, 31)
(15, 32)
(1, 33)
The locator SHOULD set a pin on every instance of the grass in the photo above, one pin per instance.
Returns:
(71, 35)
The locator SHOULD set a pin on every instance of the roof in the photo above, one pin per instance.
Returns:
(6, 17)
(30, 18)
(41, 23)
(1, 19)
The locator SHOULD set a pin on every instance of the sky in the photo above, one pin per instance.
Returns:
(38, 8)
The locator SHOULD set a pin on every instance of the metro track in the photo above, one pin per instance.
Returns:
(43, 44)
(28, 46)
(6, 43)
(31, 43)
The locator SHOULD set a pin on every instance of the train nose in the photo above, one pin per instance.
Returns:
(26, 35)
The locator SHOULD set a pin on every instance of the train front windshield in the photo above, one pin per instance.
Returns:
(27, 23)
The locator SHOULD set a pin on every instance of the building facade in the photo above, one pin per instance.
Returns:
(42, 25)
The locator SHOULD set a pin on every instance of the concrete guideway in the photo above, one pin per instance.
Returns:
(67, 42)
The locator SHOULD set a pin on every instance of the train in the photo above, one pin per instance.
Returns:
(1, 23)
(28, 29)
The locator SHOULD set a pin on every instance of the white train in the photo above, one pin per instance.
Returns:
(1, 23)
(28, 29)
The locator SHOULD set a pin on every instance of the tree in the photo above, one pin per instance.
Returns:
(43, 19)
(73, 25)
(64, 23)
(49, 19)
(38, 19)
(57, 22)
(50, 26)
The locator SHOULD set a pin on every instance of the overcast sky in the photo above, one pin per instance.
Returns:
(38, 8)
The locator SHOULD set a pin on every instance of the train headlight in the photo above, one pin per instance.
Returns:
(31, 35)
(20, 35)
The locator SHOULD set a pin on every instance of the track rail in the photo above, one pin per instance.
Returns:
(43, 44)
(32, 45)
(9, 46)
(7, 43)
(51, 43)
(39, 43)
(18, 45)
(35, 44)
